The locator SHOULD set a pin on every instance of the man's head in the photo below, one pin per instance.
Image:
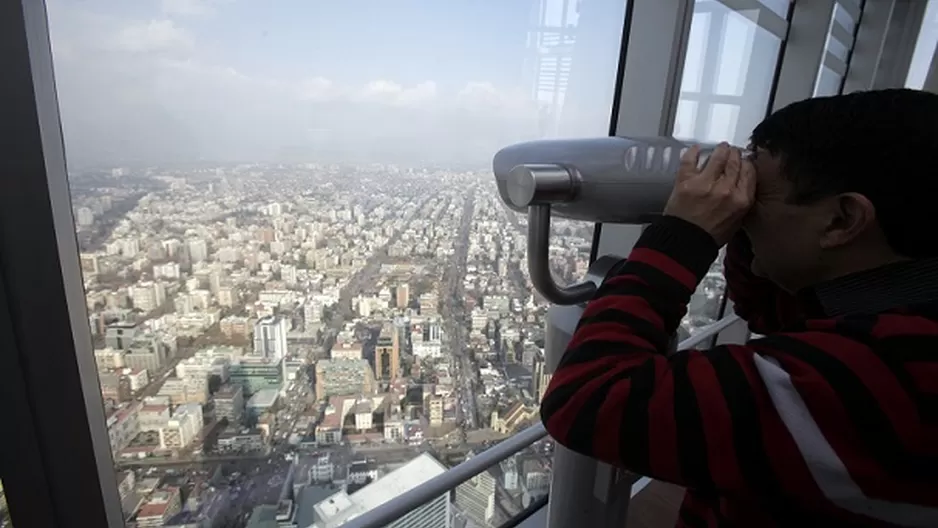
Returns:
(845, 183)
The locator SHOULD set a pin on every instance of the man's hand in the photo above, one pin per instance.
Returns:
(716, 198)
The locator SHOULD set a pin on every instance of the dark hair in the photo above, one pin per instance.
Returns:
(882, 144)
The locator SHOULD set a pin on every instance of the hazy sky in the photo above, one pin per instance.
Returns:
(408, 81)
(157, 81)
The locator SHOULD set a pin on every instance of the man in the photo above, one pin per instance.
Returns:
(832, 418)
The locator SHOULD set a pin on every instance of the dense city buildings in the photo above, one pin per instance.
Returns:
(327, 325)
(293, 342)
(304, 294)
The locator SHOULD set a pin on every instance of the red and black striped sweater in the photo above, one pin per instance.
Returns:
(829, 420)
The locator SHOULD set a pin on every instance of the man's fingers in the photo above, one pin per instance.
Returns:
(688, 166)
(717, 162)
(730, 176)
(746, 184)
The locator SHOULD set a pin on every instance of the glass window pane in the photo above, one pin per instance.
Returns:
(924, 48)
(828, 83)
(780, 7)
(733, 64)
(721, 122)
(842, 17)
(825, 83)
(299, 275)
(696, 46)
(685, 119)
(837, 48)
(735, 49)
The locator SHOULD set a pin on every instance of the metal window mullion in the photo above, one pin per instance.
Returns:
(709, 98)
(647, 104)
(804, 51)
(899, 45)
(653, 70)
(841, 34)
(931, 79)
(759, 68)
(585, 491)
(835, 64)
(868, 45)
(596, 247)
(40, 271)
(710, 66)
(852, 9)
(761, 15)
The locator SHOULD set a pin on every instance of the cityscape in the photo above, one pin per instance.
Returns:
(298, 344)
(304, 293)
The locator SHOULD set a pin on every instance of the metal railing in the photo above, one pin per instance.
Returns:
(708, 331)
(433, 488)
(410, 500)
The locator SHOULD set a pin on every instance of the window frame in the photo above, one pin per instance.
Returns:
(26, 490)
(584, 490)
(905, 21)
(56, 462)
(883, 41)
(58, 469)
(868, 45)
(615, 239)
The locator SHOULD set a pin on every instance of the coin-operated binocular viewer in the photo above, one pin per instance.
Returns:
(611, 180)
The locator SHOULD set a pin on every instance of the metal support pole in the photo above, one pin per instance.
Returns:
(583, 491)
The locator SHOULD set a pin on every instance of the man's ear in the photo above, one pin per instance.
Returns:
(849, 216)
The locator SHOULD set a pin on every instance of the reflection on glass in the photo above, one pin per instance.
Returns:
(924, 48)
(571, 242)
(732, 74)
(722, 120)
(730, 61)
(684, 120)
(692, 77)
(780, 7)
(300, 279)
(836, 48)
(833, 45)
(828, 83)
(728, 75)
(842, 17)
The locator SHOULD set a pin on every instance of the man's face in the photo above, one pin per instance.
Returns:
(785, 237)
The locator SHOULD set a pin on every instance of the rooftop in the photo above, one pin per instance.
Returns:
(228, 391)
(331, 419)
(352, 344)
(340, 507)
(152, 509)
(264, 398)
(362, 406)
(360, 466)
(232, 432)
(250, 361)
(306, 502)
(264, 516)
